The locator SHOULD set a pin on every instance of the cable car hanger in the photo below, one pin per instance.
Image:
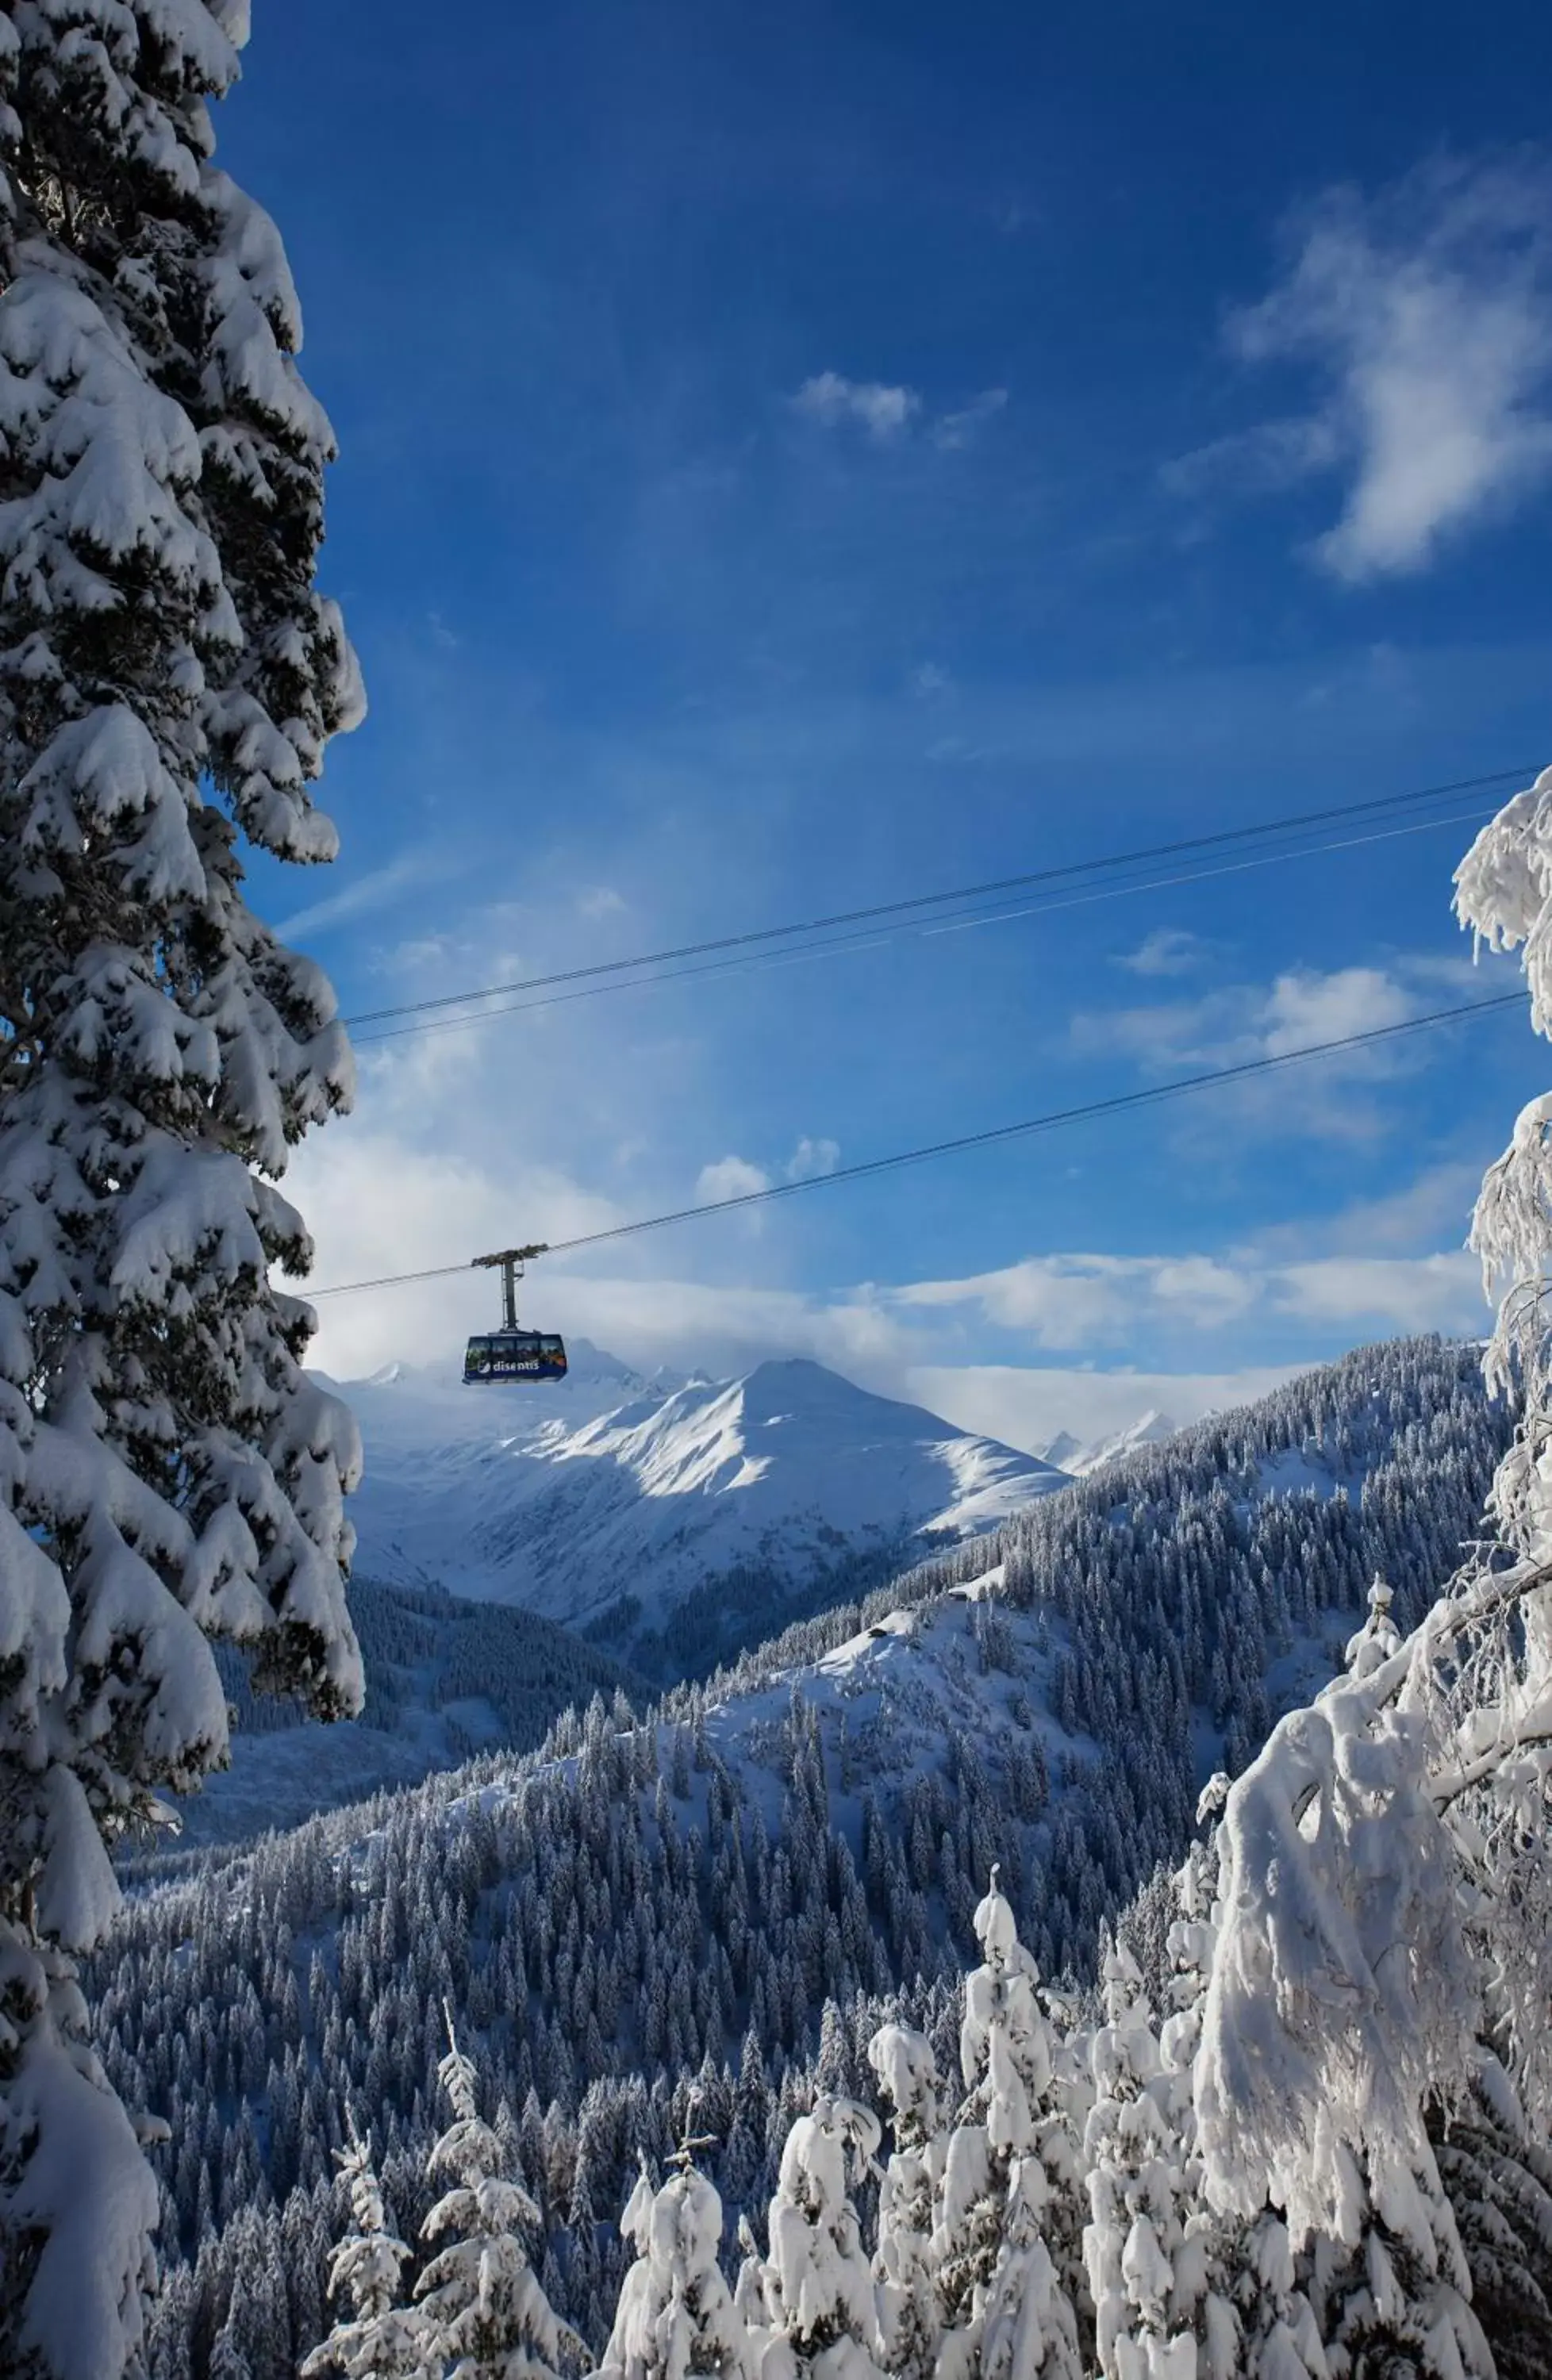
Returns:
(512, 1352)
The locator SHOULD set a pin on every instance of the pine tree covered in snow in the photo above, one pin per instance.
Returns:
(1499, 2183)
(485, 2311)
(1135, 2183)
(818, 2286)
(910, 2323)
(168, 679)
(676, 2316)
(379, 2339)
(1008, 2312)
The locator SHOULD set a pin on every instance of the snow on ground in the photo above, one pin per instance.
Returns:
(889, 1700)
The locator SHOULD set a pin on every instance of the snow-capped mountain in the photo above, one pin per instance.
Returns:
(1071, 1455)
(609, 1501)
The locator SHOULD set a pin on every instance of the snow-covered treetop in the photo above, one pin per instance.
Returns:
(996, 1930)
(902, 2059)
(1378, 1638)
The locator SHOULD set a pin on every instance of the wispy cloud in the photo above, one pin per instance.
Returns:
(1246, 1021)
(885, 411)
(1169, 950)
(1425, 313)
(1087, 1304)
(812, 1158)
(730, 1177)
(376, 890)
(1242, 1023)
(953, 432)
(736, 1177)
(1027, 1404)
(829, 399)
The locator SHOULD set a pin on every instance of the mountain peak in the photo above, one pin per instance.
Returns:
(612, 1493)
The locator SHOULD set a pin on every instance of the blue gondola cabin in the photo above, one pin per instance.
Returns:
(514, 1356)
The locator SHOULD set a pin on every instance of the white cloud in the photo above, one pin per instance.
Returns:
(1169, 950)
(1262, 461)
(811, 1159)
(601, 900)
(1436, 1205)
(1425, 314)
(830, 399)
(730, 1177)
(1027, 1406)
(953, 432)
(885, 410)
(1304, 1008)
(736, 1177)
(1082, 1304)
(359, 897)
(1433, 1293)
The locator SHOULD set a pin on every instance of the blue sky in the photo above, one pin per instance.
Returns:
(792, 459)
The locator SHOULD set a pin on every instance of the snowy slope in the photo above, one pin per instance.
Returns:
(607, 1500)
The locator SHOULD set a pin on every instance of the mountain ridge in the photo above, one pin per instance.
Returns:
(612, 1501)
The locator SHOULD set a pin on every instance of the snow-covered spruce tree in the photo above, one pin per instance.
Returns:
(751, 2301)
(486, 2317)
(1137, 2241)
(910, 2321)
(1008, 2170)
(819, 2287)
(676, 2316)
(380, 2338)
(169, 680)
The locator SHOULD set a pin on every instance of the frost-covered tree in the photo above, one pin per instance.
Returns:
(1342, 2008)
(676, 2316)
(1500, 2181)
(1385, 1899)
(486, 2315)
(1235, 2283)
(910, 2321)
(169, 680)
(378, 2338)
(1138, 2239)
(750, 2303)
(818, 2286)
(1006, 2311)
(1378, 1638)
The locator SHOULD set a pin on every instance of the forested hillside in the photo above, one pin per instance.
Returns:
(444, 1679)
(715, 1889)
